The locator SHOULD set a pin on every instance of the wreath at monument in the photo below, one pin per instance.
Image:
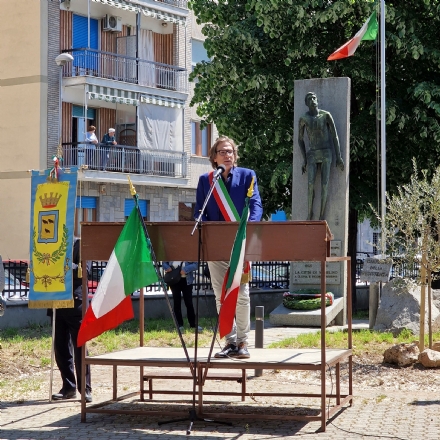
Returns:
(306, 299)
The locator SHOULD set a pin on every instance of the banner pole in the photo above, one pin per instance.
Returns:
(52, 355)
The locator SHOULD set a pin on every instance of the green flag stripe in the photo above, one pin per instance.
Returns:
(238, 243)
(371, 32)
(133, 255)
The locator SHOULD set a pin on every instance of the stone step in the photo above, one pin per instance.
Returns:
(305, 318)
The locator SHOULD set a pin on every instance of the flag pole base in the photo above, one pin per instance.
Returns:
(193, 417)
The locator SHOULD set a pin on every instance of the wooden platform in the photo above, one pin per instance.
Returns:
(266, 241)
(171, 363)
(287, 359)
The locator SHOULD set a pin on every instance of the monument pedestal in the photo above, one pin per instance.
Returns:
(306, 318)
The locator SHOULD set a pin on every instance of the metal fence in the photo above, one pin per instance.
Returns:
(266, 275)
(125, 159)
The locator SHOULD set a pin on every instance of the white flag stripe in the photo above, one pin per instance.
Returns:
(226, 204)
(110, 290)
(237, 275)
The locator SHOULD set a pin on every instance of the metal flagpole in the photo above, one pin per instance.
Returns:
(382, 120)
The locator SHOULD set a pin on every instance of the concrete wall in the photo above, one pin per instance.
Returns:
(23, 113)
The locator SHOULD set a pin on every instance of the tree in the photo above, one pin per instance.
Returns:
(259, 47)
(412, 232)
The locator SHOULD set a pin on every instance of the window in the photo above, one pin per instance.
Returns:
(129, 205)
(200, 139)
(84, 62)
(85, 211)
(198, 52)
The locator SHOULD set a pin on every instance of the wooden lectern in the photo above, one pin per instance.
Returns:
(266, 241)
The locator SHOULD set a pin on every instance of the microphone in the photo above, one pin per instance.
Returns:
(218, 172)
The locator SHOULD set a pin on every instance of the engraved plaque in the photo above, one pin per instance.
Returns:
(309, 272)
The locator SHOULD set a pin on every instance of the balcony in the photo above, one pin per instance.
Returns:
(179, 3)
(125, 159)
(100, 64)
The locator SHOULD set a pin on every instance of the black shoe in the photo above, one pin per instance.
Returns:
(88, 397)
(229, 350)
(242, 351)
(62, 394)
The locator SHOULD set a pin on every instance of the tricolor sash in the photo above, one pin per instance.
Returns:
(230, 214)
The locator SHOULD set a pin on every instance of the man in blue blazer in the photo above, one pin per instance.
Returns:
(237, 181)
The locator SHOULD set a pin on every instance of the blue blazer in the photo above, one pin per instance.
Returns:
(241, 180)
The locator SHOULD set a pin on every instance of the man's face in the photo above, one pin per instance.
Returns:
(312, 101)
(111, 133)
(225, 155)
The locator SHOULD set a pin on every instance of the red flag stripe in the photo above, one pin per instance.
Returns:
(93, 326)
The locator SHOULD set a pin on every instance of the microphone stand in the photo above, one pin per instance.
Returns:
(192, 417)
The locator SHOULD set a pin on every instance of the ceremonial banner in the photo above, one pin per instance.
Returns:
(51, 240)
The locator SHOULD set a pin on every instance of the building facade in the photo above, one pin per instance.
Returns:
(121, 64)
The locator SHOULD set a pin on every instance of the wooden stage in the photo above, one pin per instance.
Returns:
(266, 241)
(171, 363)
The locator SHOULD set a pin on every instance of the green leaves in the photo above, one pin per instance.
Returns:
(260, 47)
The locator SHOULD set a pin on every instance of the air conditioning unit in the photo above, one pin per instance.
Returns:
(112, 23)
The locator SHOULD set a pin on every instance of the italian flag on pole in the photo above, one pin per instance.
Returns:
(367, 32)
(232, 281)
(129, 268)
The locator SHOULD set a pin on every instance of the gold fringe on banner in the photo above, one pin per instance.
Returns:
(58, 304)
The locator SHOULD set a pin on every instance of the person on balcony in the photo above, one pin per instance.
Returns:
(108, 140)
(233, 190)
(91, 142)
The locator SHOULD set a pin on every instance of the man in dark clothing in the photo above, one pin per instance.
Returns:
(67, 352)
(108, 140)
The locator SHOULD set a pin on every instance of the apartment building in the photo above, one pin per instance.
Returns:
(123, 64)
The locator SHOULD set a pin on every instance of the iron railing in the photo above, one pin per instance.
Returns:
(178, 3)
(125, 159)
(100, 64)
(267, 275)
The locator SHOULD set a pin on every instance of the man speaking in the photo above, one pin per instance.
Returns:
(229, 198)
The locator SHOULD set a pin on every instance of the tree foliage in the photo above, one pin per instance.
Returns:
(259, 47)
(412, 222)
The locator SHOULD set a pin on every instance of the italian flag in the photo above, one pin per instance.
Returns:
(232, 280)
(367, 32)
(129, 268)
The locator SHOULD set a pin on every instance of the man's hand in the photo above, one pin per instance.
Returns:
(340, 164)
(304, 167)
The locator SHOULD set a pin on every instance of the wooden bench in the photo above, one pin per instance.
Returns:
(185, 374)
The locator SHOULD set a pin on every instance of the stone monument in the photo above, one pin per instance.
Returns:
(320, 187)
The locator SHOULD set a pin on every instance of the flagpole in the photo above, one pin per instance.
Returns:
(159, 276)
(382, 121)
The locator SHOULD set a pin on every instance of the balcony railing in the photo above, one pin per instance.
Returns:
(179, 3)
(124, 159)
(109, 65)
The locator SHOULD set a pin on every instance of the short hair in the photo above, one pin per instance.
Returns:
(91, 127)
(213, 151)
(308, 95)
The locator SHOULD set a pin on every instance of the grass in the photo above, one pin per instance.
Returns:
(31, 346)
(26, 352)
(363, 340)
(361, 314)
